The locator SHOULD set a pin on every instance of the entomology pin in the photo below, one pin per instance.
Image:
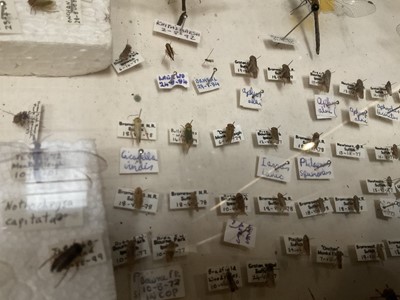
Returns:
(170, 250)
(240, 203)
(380, 251)
(173, 76)
(193, 203)
(326, 80)
(395, 151)
(137, 128)
(274, 135)
(182, 19)
(306, 245)
(333, 103)
(187, 136)
(125, 53)
(212, 76)
(140, 153)
(45, 5)
(388, 87)
(3, 5)
(281, 202)
(131, 252)
(169, 51)
(252, 67)
(270, 274)
(356, 203)
(229, 132)
(231, 281)
(359, 88)
(138, 197)
(208, 57)
(321, 205)
(339, 258)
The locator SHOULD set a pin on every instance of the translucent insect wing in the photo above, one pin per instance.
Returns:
(357, 8)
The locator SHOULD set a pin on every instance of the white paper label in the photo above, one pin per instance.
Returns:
(73, 12)
(177, 31)
(148, 131)
(168, 81)
(351, 150)
(10, 22)
(378, 92)
(121, 65)
(274, 168)
(325, 106)
(300, 141)
(326, 254)
(239, 233)
(228, 203)
(379, 186)
(347, 88)
(314, 167)
(158, 284)
(367, 251)
(293, 244)
(160, 245)
(119, 249)
(216, 277)
(176, 136)
(313, 208)
(240, 66)
(251, 98)
(358, 116)
(34, 123)
(132, 161)
(394, 247)
(204, 84)
(390, 208)
(219, 136)
(260, 271)
(275, 74)
(125, 199)
(383, 153)
(389, 112)
(181, 199)
(346, 204)
(315, 78)
(281, 40)
(272, 205)
(264, 138)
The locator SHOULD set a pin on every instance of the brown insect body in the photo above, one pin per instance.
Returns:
(306, 245)
(315, 140)
(356, 203)
(395, 151)
(285, 73)
(388, 87)
(169, 51)
(270, 275)
(229, 132)
(388, 293)
(321, 205)
(187, 136)
(326, 80)
(339, 259)
(131, 252)
(193, 203)
(240, 203)
(125, 53)
(252, 67)
(21, 118)
(380, 251)
(231, 281)
(389, 181)
(282, 202)
(359, 88)
(66, 258)
(274, 135)
(138, 198)
(136, 131)
(45, 5)
(170, 251)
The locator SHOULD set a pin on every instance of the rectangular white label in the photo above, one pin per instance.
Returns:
(137, 161)
(204, 84)
(251, 98)
(168, 81)
(272, 205)
(275, 74)
(348, 204)
(378, 92)
(125, 199)
(367, 251)
(177, 31)
(358, 116)
(383, 153)
(73, 12)
(261, 271)
(380, 186)
(315, 78)
(240, 66)
(394, 247)
(10, 22)
(119, 249)
(219, 136)
(325, 106)
(228, 203)
(216, 277)
(314, 167)
(176, 136)
(281, 40)
(390, 208)
(161, 243)
(121, 65)
(239, 233)
(293, 244)
(347, 88)
(302, 142)
(351, 150)
(182, 199)
(326, 254)
(315, 207)
(389, 112)
(148, 131)
(264, 138)
(274, 168)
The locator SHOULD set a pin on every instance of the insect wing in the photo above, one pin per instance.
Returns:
(125, 53)
(65, 259)
(137, 129)
(356, 8)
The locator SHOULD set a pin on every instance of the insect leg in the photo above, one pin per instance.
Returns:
(62, 278)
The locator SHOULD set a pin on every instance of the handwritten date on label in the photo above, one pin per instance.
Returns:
(121, 65)
(176, 136)
(347, 88)
(293, 244)
(274, 168)
(315, 78)
(206, 84)
(378, 92)
(314, 167)
(394, 247)
(379, 186)
(347, 204)
(300, 141)
(272, 205)
(390, 208)
(327, 254)
(275, 74)
(168, 81)
(219, 136)
(351, 150)
(389, 112)
(251, 98)
(383, 153)
(239, 233)
(182, 199)
(119, 249)
(367, 251)
(282, 40)
(315, 207)
(73, 12)
(177, 31)
(161, 243)
(148, 131)
(358, 116)
(9, 22)
(264, 138)
(216, 277)
(136, 161)
(257, 271)
(158, 284)
(325, 106)
(240, 66)
(228, 203)
(125, 199)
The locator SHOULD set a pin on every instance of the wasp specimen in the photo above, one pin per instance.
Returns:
(231, 282)
(326, 80)
(395, 151)
(240, 205)
(274, 135)
(339, 259)
(380, 251)
(281, 202)
(229, 132)
(187, 136)
(359, 88)
(356, 203)
(252, 67)
(45, 5)
(169, 51)
(306, 245)
(193, 202)
(170, 250)
(138, 198)
(125, 53)
(270, 274)
(136, 131)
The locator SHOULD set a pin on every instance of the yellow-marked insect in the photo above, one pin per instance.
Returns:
(229, 132)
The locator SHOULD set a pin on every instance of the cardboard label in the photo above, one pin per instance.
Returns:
(176, 136)
(121, 65)
(281, 40)
(119, 249)
(261, 271)
(394, 247)
(315, 78)
(125, 199)
(182, 199)
(264, 138)
(348, 88)
(216, 277)
(293, 244)
(240, 234)
(275, 74)
(390, 112)
(351, 150)
(177, 31)
(251, 98)
(228, 203)
(138, 161)
(206, 84)
(274, 168)
(160, 245)
(367, 251)
(325, 106)
(314, 208)
(241, 66)
(219, 136)
(73, 12)
(378, 92)
(148, 131)
(358, 116)
(347, 204)
(169, 81)
(380, 186)
(314, 167)
(390, 207)
(383, 153)
(10, 22)
(326, 254)
(272, 205)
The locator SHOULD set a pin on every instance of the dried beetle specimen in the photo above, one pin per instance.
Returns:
(252, 67)
(169, 51)
(136, 131)
(380, 251)
(270, 275)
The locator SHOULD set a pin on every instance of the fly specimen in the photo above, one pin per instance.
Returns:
(193, 202)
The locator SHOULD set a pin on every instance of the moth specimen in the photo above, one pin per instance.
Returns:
(138, 198)
(125, 53)
(252, 67)
(229, 132)
(169, 51)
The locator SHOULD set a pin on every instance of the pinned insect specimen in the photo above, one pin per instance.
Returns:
(131, 252)
(252, 67)
(339, 259)
(138, 198)
(208, 57)
(169, 51)
(281, 202)
(285, 73)
(231, 281)
(389, 181)
(182, 19)
(387, 294)
(274, 135)
(229, 132)
(356, 203)
(65, 260)
(306, 245)
(125, 53)
(136, 131)
(21, 119)
(395, 151)
(270, 274)
(326, 80)
(321, 205)
(352, 8)
(45, 5)
(187, 136)
(193, 202)
(380, 251)
(359, 88)
(170, 250)
(240, 205)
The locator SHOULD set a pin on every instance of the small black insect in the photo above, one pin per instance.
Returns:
(169, 51)
(125, 53)
(21, 118)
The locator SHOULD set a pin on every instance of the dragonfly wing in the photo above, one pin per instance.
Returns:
(357, 8)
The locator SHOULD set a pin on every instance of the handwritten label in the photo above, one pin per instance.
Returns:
(274, 168)
(133, 161)
(34, 122)
(158, 284)
(351, 150)
(326, 254)
(301, 142)
(161, 243)
(206, 84)
(228, 204)
(121, 65)
(177, 31)
(378, 92)
(125, 199)
(314, 167)
(282, 40)
(219, 136)
(367, 251)
(260, 271)
(315, 78)
(10, 22)
(390, 208)
(325, 107)
(348, 88)
(347, 204)
(358, 116)
(239, 233)
(251, 98)
(315, 207)
(394, 247)
(379, 186)
(148, 131)
(388, 112)
(241, 66)
(176, 136)
(182, 199)
(216, 277)
(383, 153)
(168, 81)
(275, 74)
(73, 12)
(272, 205)
(264, 138)
(119, 249)
(293, 244)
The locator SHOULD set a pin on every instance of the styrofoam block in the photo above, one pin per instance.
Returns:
(48, 46)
